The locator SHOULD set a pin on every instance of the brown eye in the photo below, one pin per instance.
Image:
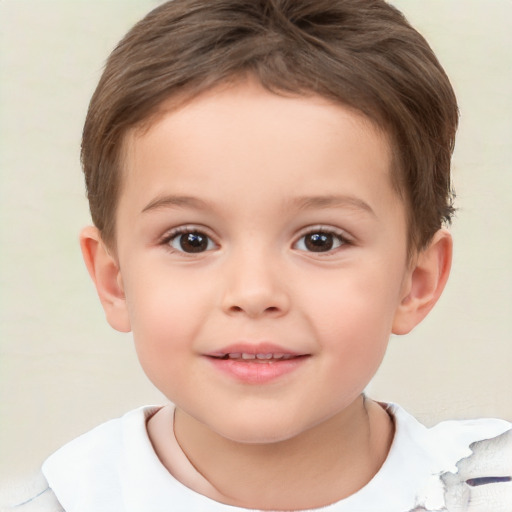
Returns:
(191, 242)
(320, 241)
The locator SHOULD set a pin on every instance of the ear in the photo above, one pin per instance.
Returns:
(104, 271)
(425, 283)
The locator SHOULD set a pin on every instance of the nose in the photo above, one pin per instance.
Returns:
(254, 287)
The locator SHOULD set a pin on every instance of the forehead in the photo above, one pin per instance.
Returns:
(241, 135)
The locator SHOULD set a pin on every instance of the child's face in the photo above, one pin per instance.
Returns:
(253, 223)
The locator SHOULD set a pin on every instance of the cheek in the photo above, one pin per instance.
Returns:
(166, 316)
(353, 317)
(354, 303)
(163, 301)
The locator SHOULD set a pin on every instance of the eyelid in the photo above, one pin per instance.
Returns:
(187, 228)
(343, 235)
(324, 228)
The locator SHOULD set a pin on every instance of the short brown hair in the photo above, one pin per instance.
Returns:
(362, 53)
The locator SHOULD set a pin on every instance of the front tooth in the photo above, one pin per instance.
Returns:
(235, 355)
(278, 356)
(248, 356)
(263, 356)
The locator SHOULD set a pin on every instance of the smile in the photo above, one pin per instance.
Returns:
(256, 358)
(256, 364)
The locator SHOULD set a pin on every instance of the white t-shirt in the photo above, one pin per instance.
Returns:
(114, 468)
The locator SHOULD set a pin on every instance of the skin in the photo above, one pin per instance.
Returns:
(258, 174)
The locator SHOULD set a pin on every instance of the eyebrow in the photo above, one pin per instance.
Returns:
(332, 201)
(171, 201)
(301, 203)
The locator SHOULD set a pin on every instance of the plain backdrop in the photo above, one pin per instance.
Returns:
(63, 370)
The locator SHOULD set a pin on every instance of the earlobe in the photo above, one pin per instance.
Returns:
(104, 271)
(425, 283)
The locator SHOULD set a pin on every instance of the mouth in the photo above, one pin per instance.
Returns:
(257, 364)
(247, 357)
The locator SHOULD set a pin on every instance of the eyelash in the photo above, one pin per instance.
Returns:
(184, 230)
(340, 239)
(340, 236)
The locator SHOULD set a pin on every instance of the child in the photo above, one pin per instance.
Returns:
(269, 182)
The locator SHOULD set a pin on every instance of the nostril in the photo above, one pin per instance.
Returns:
(255, 311)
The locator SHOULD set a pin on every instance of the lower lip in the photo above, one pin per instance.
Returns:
(252, 372)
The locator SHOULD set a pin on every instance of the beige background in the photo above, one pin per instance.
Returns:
(63, 370)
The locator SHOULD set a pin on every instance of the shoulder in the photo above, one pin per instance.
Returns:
(105, 441)
(469, 461)
(483, 478)
(114, 468)
(448, 433)
(450, 442)
(91, 469)
(30, 494)
(486, 442)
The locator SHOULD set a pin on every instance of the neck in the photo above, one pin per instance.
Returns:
(323, 465)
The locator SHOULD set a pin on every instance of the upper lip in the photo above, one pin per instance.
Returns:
(255, 349)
